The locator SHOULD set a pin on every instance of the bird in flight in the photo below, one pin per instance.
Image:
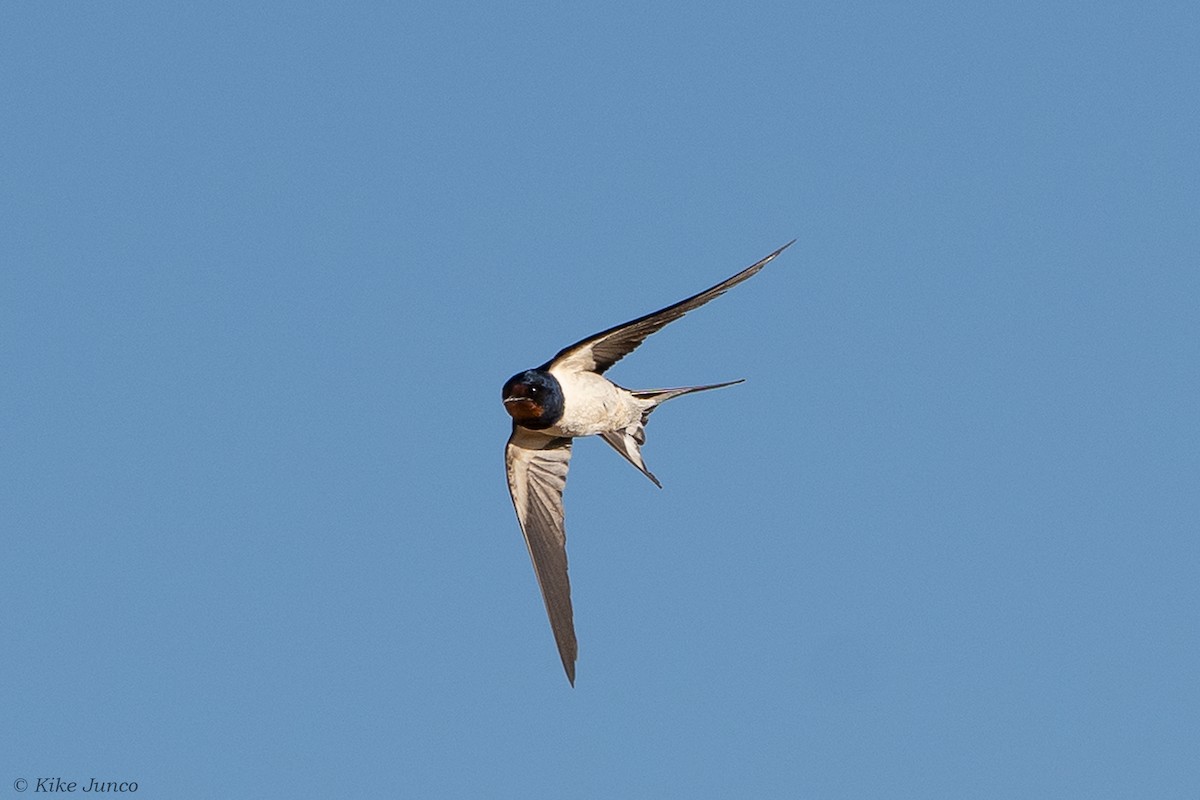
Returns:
(568, 396)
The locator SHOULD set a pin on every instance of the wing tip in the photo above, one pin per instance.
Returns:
(568, 663)
(780, 250)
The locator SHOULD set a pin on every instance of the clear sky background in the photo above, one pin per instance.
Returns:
(264, 268)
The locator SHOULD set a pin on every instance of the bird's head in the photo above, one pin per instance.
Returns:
(533, 398)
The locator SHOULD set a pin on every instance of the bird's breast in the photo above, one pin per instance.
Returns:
(593, 404)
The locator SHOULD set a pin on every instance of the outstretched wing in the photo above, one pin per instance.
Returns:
(600, 351)
(537, 472)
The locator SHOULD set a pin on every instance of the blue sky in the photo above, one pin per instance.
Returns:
(265, 268)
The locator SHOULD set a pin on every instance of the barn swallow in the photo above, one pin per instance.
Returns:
(568, 397)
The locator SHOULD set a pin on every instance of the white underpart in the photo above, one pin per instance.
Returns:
(593, 404)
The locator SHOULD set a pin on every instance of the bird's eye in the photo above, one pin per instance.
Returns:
(535, 390)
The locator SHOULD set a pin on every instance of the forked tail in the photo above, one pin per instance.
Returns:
(628, 441)
(660, 396)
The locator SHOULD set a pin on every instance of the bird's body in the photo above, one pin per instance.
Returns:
(568, 397)
(593, 404)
